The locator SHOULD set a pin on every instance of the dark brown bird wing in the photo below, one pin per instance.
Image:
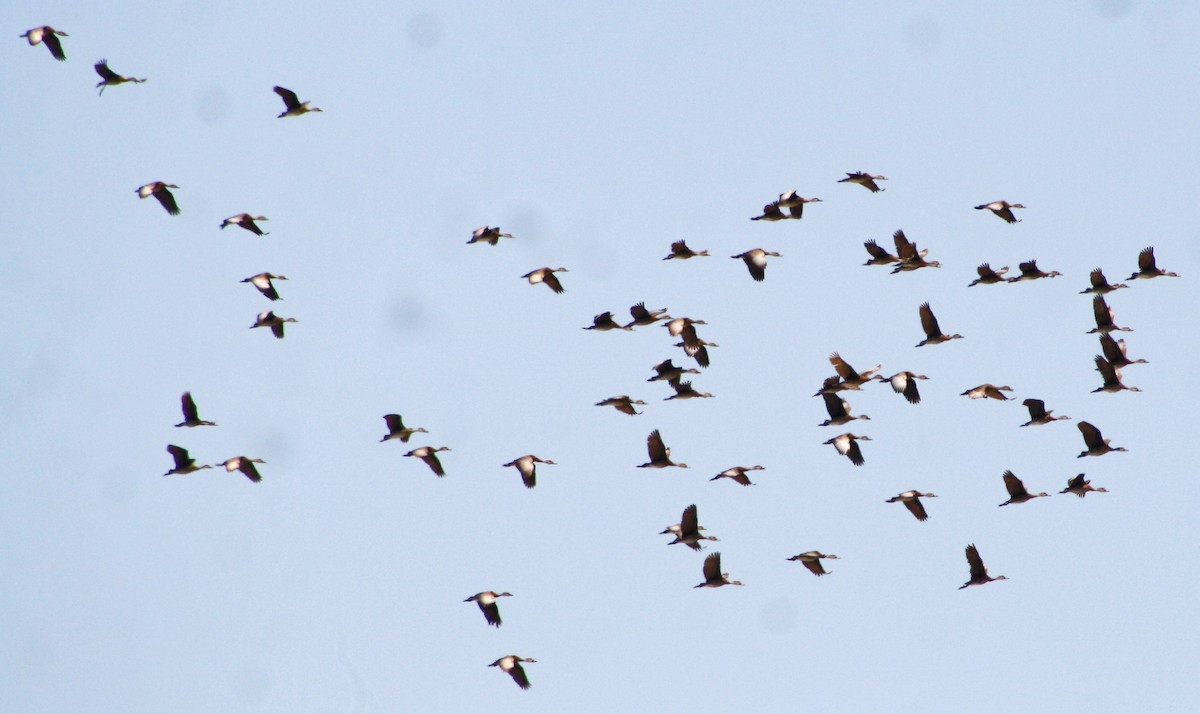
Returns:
(875, 251)
(180, 455)
(855, 454)
(916, 508)
(1015, 487)
(625, 407)
(1112, 351)
(689, 524)
(1029, 268)
(1098, 280)
(190, 413)
(901, 242)
(434, 463)
(552, 280)
(1076, 482)
(290, 100)
(491, 613)
(53, 44)
(656, 447)
(518, 675)
(395, 423)
(639, 312)
(1146, 260)
(1102, 311)
(1107, 372)
(712, 568)
(1037, 409)
(1091, 435)
(910, 392)
(834, 405)
(928, 322)
(167, 199)
(842, 367)
(978, 571)
(277, 329)
(246, 466)
(105, 73)
(814, 566)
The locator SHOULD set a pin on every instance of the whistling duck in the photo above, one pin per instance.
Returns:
(273, 321)
(1100, 284)
(486, 601)
(697, 349)
(987, 391)
(865, 180)
(243, 464)
(1080, 486)
(685, 390)
(191, 416)
(905, 383)
(879, 256)
(247, 221)
(812, 559)
(987, 276)
(738, 474)
(770, 212)
(852, 379)
(1104, 318)
(676, 326)
(1038, 414)
(511, 665)
(1097, 445)
(1002, 209)
(397, 430)
(839, 410)
(641, 316)
(847, 445)
(1111, 376)
(794, 202)
(933, 333)
(677, 528)
(184, 464)
(979, 574)
(294, 107)
(623, 404)
(1114, 352)
(262, 281)
(527, 466)
(1147, 268)
(487, 234)
(910, 258)
(158, 189)
(428, 454)
(605, 322)
(713, 577)
(666, 370)
(912, 501)
(756, 262)
(687, 531)
(1016, 490)
(547, 276)
(109, 78)
(694, 347)
(660, 455)
(50, 36)
(1030, 271)
(680, 250)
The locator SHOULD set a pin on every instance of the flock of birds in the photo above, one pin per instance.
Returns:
(688, 531)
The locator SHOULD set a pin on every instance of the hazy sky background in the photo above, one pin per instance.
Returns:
(597, 137)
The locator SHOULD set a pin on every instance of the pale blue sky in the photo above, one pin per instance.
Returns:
(596, 137)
